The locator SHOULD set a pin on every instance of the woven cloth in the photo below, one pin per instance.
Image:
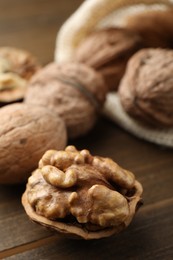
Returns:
(95, 14)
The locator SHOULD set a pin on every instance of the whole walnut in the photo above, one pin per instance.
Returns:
(107, 51)
(156, 28)
(73, 91)
(26, 132)
(146, 90)
(81, 195)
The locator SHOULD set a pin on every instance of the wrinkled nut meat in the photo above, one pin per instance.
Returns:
(4, 65)
(26, 132)
(81, 195)
(21, 62)
(108, 51)
(16, 68)
(12, 87)
(146, 91)
(73, 91)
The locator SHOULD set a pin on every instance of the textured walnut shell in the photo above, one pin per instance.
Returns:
(108, 51)
(26, 132)
(73, 91)
(21, 62)
(156, 28)
(146, 91)
(81, 195)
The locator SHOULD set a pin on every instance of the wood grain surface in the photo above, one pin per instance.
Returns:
(32, 25)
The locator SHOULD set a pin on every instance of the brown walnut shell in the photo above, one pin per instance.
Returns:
(26, 132)
(73, 91)
(80, 195)
(146, 90)
(156, 28)
(108, 51)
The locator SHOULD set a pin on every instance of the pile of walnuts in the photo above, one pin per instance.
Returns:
(72, 191)
(59, 102)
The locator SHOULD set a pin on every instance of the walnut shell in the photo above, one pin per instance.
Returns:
(108, 51)
(80, 195)
(146, 91)
(21, 62)
(26, 132)
(73, 91)
(156, 28)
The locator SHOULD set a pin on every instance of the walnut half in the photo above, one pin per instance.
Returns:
(81, 195)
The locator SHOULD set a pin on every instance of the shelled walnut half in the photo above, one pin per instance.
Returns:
(21, 62)
(16, 68)
(81, 195)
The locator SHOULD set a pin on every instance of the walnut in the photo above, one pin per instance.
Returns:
(108, 51)
(4, 65)
(73, 91)
(146, 90)
(12, 88)
(156, 28)
(16, 68)
(81, 195)
(26, 132)
(21, 62)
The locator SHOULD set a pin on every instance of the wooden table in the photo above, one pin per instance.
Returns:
(32, 25)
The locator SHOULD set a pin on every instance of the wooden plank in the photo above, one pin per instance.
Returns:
(148, 237)
(33, 25)
(15, 228)
(17, 9)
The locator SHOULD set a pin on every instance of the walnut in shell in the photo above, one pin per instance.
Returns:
(108, 51)
(156, 28)
(81, 195)
(26, 132)
(146, 91)
(73, 91)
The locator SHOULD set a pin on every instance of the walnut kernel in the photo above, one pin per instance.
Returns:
(21, 62)
(16, 68)
(81, 195)
(12, 87)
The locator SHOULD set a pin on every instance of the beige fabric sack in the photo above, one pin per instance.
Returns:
(95, 14)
